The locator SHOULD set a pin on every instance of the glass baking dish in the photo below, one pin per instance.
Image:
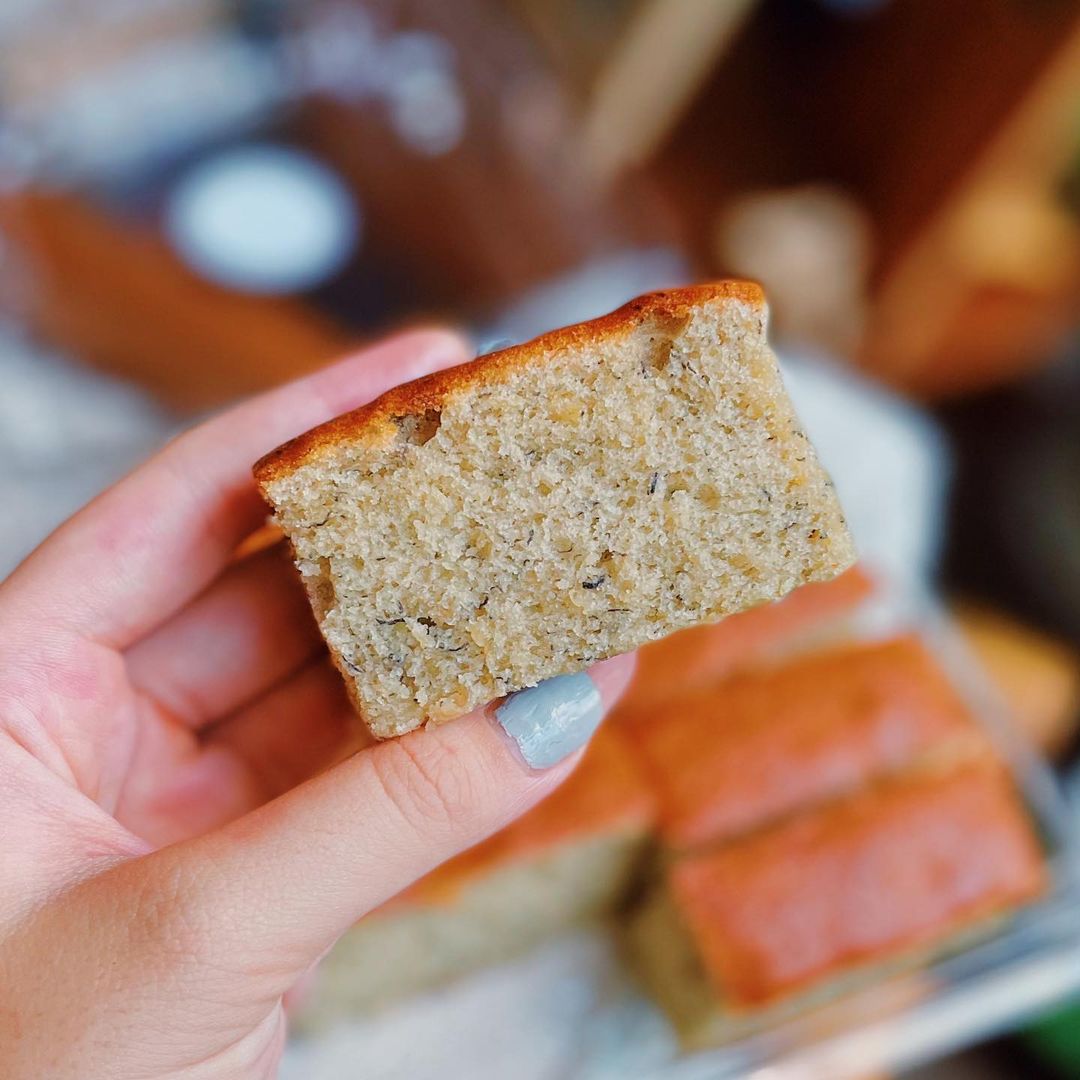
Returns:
(572, 1010)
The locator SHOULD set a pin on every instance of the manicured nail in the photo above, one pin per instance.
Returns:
(553, 719)
(492, 345)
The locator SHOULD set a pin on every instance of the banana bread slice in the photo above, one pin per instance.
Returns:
(773, 742)
(541, 508)
(742, 936)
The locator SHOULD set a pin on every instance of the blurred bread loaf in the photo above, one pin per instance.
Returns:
(773, 742)
(545, 507)
(738, 936)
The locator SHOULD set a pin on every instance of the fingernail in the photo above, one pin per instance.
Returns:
(550, 721)
(493, 345)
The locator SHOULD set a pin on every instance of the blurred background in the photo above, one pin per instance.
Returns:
(201, 198)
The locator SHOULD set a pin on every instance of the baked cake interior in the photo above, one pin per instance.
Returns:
(562, 512)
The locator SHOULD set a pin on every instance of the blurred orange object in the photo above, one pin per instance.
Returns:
(114, 294)
(765, 744)
(890, 871)
(987, 289)
(705, 654)
(1037, 675)
(266, 536)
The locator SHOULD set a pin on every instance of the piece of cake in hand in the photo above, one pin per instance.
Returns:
(571, 859)
(542, 508)
(771, 742)
(740, 936)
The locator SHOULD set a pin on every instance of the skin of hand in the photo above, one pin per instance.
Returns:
(189, 816)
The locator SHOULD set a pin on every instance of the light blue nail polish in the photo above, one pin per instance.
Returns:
(493, 345)
(553, 719)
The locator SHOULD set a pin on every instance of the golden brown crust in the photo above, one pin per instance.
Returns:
(371, 421)
(767, 744)
(889, 871)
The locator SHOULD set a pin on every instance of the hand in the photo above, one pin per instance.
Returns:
(188, 816)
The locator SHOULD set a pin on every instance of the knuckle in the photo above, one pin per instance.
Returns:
(425, 781)
(164, 915)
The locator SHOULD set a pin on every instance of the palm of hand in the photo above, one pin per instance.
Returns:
(176, 850)
(170, 759)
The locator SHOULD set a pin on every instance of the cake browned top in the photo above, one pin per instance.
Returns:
(768, 743)
(885, 872)
(696, 659)
(375, 421)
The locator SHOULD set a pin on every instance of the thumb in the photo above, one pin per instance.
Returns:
(282, 883)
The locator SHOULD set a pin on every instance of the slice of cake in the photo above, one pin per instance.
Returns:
(569, 860)
(563, 501)
(739, 936)
(770, 742)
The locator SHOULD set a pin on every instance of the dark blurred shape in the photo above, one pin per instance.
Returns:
(952, 126)
(505, 208)
(448, 128)
(854, 8)
(653, 70)
(1014, 529)
(577, 34)
(1055, 1039)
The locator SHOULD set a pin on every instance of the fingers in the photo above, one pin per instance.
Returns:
(139, 551)
(248, 631)
(299, 728)
(181, 786)
(52, 835)
(280, 884)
